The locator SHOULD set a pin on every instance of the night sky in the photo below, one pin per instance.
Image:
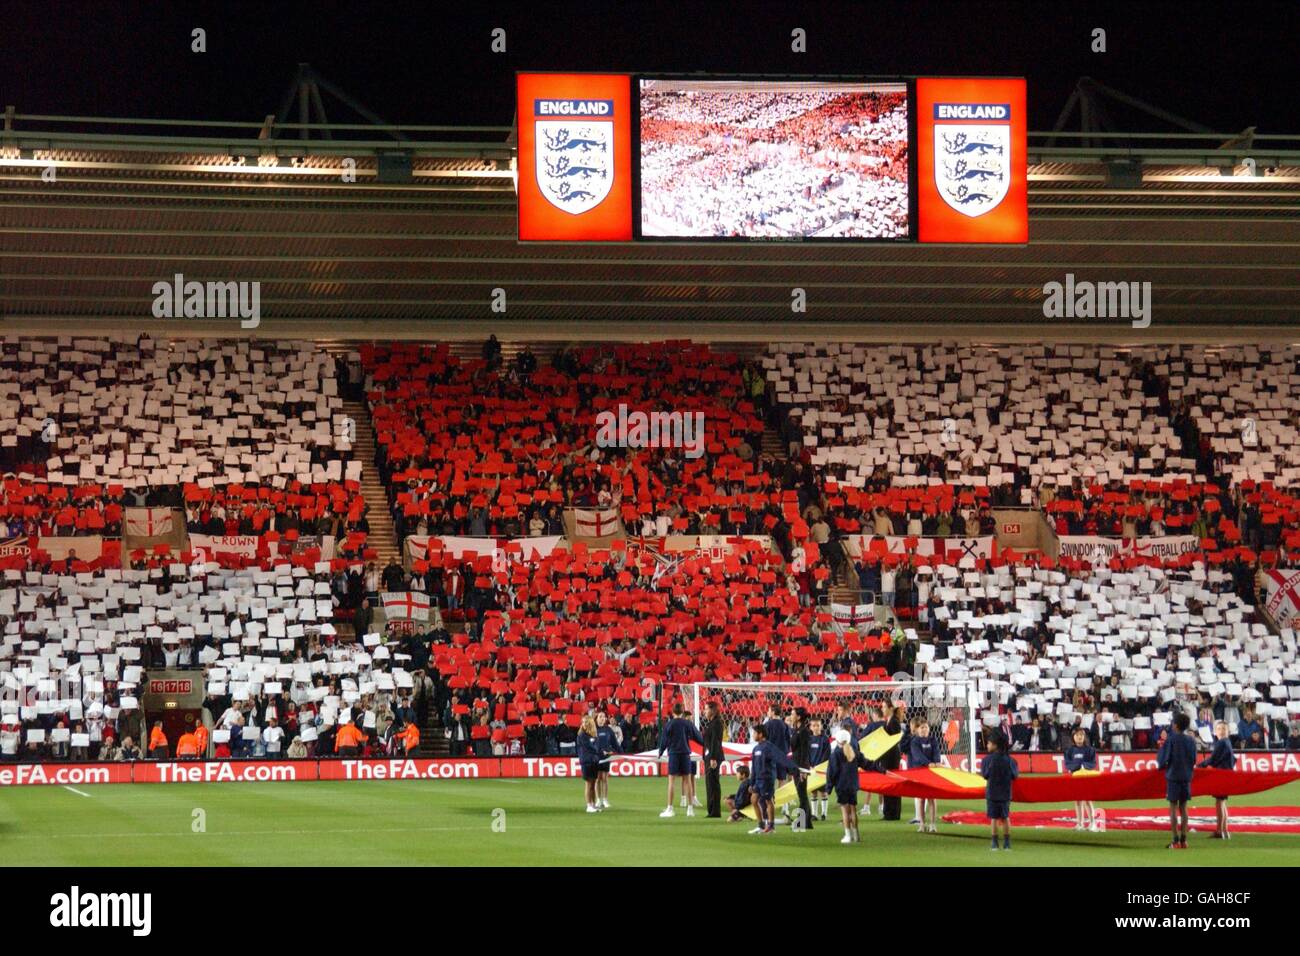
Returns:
(1226, 66)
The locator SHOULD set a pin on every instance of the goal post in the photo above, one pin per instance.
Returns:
(950, 707)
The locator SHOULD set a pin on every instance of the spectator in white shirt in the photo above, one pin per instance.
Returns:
(272, 737)
(887, 576)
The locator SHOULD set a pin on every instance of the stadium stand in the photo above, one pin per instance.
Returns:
(742, 564)
(1111, 652)
(478, 448)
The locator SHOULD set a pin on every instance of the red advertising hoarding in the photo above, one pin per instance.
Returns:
(487, 768)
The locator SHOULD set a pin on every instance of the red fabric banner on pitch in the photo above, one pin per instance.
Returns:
(943, 784)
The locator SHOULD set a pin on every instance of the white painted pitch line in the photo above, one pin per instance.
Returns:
(80, 793)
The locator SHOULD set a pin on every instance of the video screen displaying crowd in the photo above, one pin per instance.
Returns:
(774, 163)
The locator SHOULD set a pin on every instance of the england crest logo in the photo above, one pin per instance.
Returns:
(972, 160)
(575, 156)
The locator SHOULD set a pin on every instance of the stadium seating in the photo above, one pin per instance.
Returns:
(1113, 651)
(893, 442)
(265, 637)
(604, 628)
(974, 416)
(482, 451)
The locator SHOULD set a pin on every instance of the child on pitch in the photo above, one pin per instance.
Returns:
(1078, 757)
(743, 797)
(842, 777)
(675, 739)
(999, 770)
(922, 751)
(819, 751)
(1177, 758)
(880, 716)
(1220, 758)
(689, 799)
(589, 760)
(607, 744)
(765, 759)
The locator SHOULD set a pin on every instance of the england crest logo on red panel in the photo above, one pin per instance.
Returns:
(972, 167)
(574, 152)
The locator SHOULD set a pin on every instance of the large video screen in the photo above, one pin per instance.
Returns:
(773, 159)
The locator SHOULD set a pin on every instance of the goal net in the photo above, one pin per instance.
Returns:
(948, 706)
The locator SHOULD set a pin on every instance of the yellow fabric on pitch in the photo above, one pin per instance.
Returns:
(961, 778)
(1086, 773)
(878, 743)
(872, 747)
(789, 793)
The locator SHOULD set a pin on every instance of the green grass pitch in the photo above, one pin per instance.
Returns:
(449, 823)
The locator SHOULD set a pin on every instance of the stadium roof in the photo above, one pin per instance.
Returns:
(136, 201)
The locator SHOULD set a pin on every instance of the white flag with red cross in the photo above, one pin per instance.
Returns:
(595, 524)
(411, 605)
(148, 522)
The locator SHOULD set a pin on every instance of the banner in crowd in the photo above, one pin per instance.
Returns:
(149, 522)
(324, 542)
(206, 546)
(98, 552)
(596, 524)
(852, 615)
(413, 605)
(528, 550)
(948, 549)
(1252, 767)
(1283, 600)
(1098, 550)
(715, 546)
(17, 547)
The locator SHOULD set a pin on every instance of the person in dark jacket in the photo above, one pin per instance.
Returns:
(1221, 758)
(744, 794)
(999, 770)
(1080, 756)
(879, 717)
(842, 719)
(891, 808)
(675, 739)
(607, 744)
(765, 760)
(1177, 758)
(819, 751)
(778, 735)
(589, 755)
(713, 757)
(361, 618)
(842, 776)
(923, 750)
(801, 754)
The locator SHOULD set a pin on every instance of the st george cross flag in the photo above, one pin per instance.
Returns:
(852, 615)
(412, 605)
(148, 522)
(1283, 601)
(595, 524)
